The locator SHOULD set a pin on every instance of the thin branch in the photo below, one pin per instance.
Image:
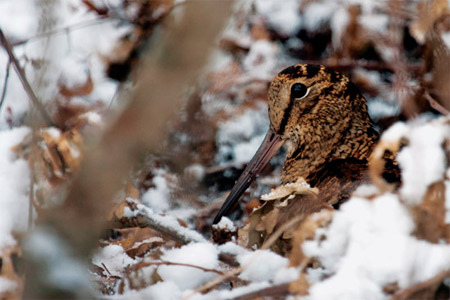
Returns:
(26, 85)
(435, 105)
(5, 84)
(276, 290)
(407, 293)
(169, 263)
(61, 30)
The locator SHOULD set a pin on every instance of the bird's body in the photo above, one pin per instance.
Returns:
(323, 120)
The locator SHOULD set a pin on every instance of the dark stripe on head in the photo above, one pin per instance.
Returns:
(287, 113)
(312, 70)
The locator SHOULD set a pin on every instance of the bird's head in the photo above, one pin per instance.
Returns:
(311, 103)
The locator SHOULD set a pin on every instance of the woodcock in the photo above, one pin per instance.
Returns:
(322, 119)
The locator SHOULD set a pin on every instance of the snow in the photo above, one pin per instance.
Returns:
(379, 108)
(225, 224)
(339, 22)
(195, 171)
(198, 254)
(318, 14)
(375, 23)
(422, 161)
(74, 72)
(158, 198)
(446, 38)
(369, 245)
(45, 247)
(261, 265)
(260, 62)
(18, 12)
(283, 18)
(240, 137)
(114, 258)
(7, 285)
(14, 184)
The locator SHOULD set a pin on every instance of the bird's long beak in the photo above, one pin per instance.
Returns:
(272, 142)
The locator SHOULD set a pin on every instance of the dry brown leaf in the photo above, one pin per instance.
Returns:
(300, 187)
(300, 286)
(383, 152)
(306, 231)
(81, 89)
(428, 11)
(429, 215)
(268, 221)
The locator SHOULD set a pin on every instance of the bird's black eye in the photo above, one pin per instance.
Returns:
(298, 90)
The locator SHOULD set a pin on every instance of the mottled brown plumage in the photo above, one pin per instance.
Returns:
(322, 119)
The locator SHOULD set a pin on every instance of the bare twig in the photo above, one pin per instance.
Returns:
(26, 85)
(61, 30)
(409, 292)
(106, 269)
(435, 105)
(276, 290)
(180, 235)
(169, 263)
(5, 84)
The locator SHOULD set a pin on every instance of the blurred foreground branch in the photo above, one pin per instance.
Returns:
(175, 59)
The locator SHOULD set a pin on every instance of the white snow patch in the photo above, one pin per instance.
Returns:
(199, 254)
(446, 38)
(14, 184)
(114, 258)
(338, 24)
(16, 19)
(233, 249)
(260, 61)
(379, 108)
(54, 132)
(282, 18)
(61, 268)
(285, 275)
(195, 171)
(92, 117)
(7, 285)
(422, 162)
(238, 138)
(318, 14)
(395, 132)
(367, 246)
(375, 22)
(225, 224)
(158, 198)
(74, 72)
(261, 265)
